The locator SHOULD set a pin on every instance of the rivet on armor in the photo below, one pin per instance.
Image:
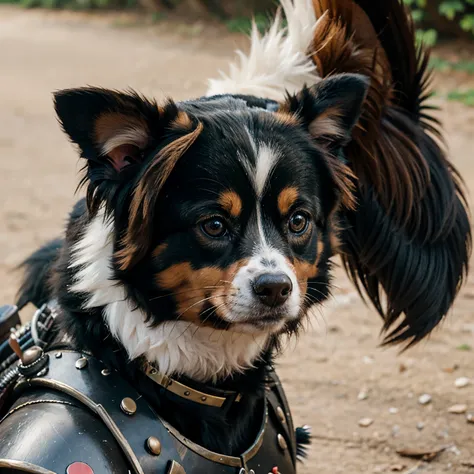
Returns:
(175, 468)
(105, 372)
(31, 355)
(187, 393)
(79, 468)
(128, 406)
(153, 445)
(282, 442)
(281, 414)
(58, 355)
(81, 363)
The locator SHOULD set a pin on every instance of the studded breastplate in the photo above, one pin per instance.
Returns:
(77, 416)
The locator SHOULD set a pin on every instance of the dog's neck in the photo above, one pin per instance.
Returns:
(175, 347)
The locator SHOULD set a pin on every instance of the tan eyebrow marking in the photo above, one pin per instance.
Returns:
(231, 202)
(286, 199)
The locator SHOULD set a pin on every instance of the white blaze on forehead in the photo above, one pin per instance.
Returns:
(267, 159)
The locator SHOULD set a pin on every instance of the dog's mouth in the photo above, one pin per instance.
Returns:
(250, 320)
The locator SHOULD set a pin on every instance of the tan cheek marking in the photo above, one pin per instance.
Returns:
(189, 286)
(305, 270)
(192, 286)
(286, 199)
(231, 202)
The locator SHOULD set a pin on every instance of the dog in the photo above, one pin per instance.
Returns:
(209, 225)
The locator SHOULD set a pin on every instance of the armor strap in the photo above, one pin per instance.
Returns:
(210, 397)
(149, 443)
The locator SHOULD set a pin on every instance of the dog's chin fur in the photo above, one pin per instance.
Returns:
(176, 347)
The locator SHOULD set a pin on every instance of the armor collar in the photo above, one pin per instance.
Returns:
(205, 395)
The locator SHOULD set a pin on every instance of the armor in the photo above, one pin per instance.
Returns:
(67, 412)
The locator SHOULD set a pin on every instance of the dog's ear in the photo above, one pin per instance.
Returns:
(111, 128)
(331, 108)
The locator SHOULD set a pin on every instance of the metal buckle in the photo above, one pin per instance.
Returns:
(41, 325)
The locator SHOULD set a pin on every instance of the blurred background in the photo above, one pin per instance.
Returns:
(362, 401)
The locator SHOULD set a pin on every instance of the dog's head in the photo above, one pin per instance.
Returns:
(223, 214)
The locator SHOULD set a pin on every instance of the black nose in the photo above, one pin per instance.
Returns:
(273, 289)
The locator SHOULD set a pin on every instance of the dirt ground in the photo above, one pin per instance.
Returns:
(338, 357)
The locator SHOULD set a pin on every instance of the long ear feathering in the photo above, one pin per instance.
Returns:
(277, 61)
(410, 235)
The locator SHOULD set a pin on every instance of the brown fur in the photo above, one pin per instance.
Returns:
(193, 289)
(135, 242)
(286, 199)
(231, 203)
(306, 270)
(345, 41)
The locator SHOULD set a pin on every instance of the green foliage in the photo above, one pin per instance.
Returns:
(459, 11)
(464, 347)
(244, 24)
(465, 97)
(444, 65)
(74, 4)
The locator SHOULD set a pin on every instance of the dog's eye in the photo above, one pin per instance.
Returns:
(214, 227)
(298, 223)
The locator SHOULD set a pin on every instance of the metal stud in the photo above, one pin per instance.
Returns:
(58, 355)
(128, 406)
(187, 393)
(105, 372)
(282, 442)
(281, 415)
(203, 398)
(81, 363)
(153, 445)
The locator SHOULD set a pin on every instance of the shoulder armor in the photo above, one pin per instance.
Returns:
(80, 411)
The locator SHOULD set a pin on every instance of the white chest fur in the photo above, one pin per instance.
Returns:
(176, 347)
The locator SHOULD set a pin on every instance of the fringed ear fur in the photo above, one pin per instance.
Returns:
(410, 235)
(329, 111)
(116, 132)
(331, 108)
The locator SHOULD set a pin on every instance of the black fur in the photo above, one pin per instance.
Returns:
(198, 150)
(35, 287)
(418, 258)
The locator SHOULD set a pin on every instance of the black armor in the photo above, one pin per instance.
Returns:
(67, 410)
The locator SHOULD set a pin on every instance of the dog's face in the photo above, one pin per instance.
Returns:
(223, 213)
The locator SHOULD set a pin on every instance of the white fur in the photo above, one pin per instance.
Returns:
(175, 347)
(278, 61)
(131, 135)
(246, 296)
(267, 159)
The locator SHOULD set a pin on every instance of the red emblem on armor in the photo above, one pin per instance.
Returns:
(79, 468)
